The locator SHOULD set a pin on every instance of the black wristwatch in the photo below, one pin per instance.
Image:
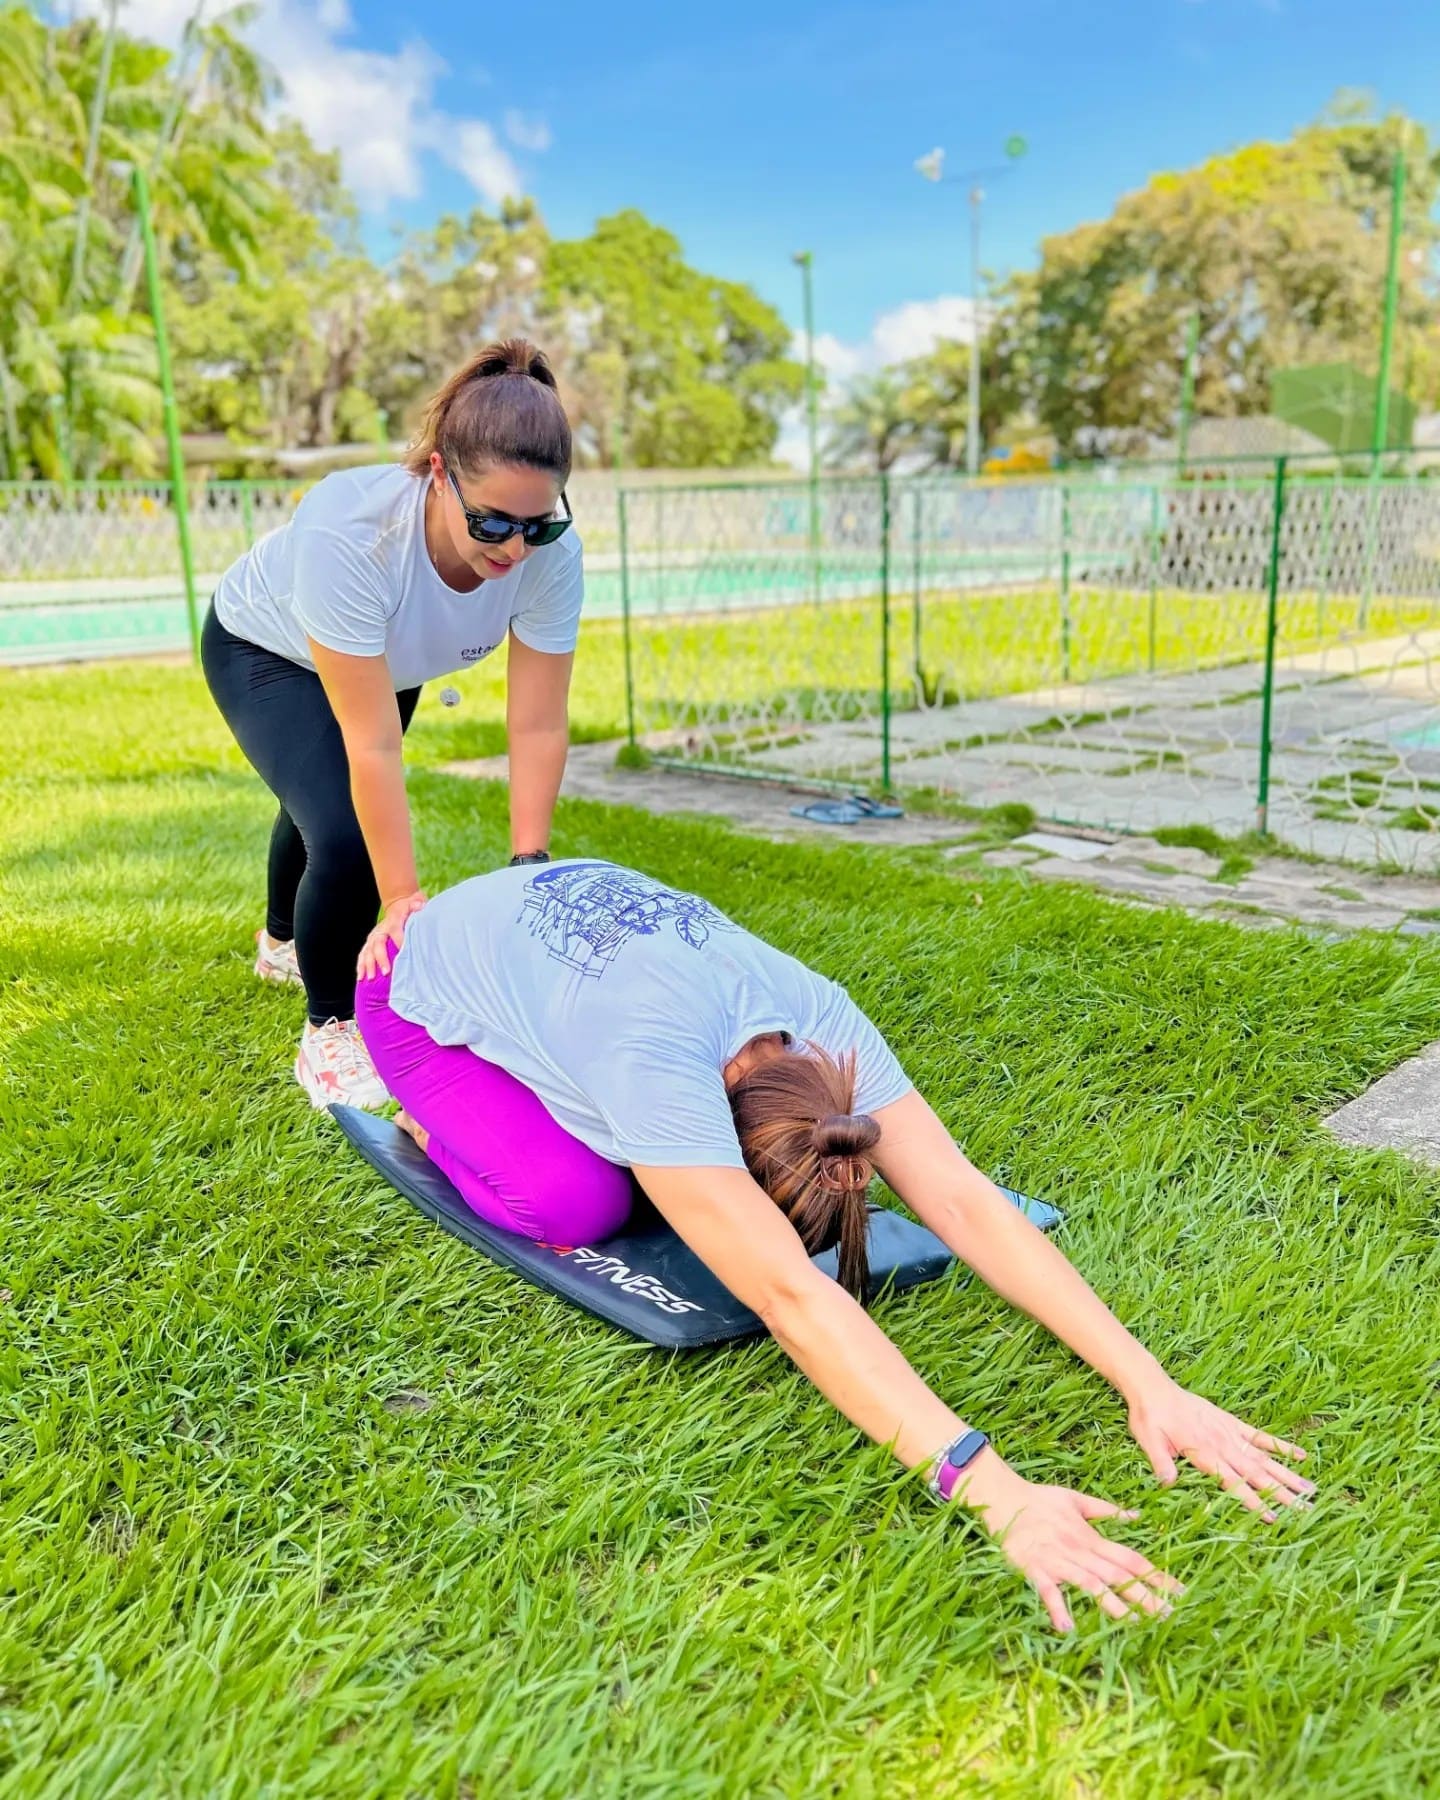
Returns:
(530, 856)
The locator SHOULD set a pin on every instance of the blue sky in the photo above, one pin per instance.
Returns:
(762, 128)
(758, 129)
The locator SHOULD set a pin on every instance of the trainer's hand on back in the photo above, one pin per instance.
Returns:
(1168, 1421)
(1049, 1535)
(375, 956)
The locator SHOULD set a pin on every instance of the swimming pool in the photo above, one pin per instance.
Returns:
(1422, 737)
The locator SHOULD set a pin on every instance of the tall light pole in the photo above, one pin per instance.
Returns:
(932, 167)
(805, 261)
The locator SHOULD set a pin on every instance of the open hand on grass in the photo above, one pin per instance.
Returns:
(375, 955)
(1167, 1421)
(1048, 1534)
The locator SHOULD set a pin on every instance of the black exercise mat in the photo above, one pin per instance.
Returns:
(645, 1280)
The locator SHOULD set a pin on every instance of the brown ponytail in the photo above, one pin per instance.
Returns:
(502, 407)
(807, 1147)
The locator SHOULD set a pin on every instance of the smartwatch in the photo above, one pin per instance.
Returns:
(530, 856)
(952, 1462)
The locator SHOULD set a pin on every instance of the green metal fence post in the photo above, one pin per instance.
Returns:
(247, 512)
(1154, 565)
(916, 503)
(172, 422)
(1065, 581)
(625, 620)
(1327, 522)
(1372, 526)
(1262, 809)
(885, 632)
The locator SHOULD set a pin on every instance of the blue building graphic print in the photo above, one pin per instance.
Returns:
(586, 913)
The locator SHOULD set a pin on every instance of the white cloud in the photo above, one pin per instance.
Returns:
(471, 146)
(162, 20)
(840, 361)
(526, 133)
(793, 444)
(915, 328)
(375, 107)
(909, 330)
(912, 329)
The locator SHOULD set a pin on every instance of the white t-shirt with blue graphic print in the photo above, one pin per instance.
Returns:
(618, 1002)
(350, 570)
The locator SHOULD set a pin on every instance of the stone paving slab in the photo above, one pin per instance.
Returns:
(1004, 858)
(1073, 849)
(1400, 1112)
(1181, 857)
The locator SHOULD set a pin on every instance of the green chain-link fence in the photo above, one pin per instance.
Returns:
(93, 568)
(1096, 646)
(1257, 647)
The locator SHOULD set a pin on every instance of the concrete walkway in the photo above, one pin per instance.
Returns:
(1355, 740)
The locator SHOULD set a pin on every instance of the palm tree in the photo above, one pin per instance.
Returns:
(92, 142)
(39, 187)
(79, 107)
(874, 423)
(219, 90)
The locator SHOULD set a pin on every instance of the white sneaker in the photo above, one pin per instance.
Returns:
(334, 1067)
(276, 962)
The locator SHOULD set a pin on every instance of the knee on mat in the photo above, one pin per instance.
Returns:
(588, 1218)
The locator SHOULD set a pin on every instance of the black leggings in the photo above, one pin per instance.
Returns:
(321, 887)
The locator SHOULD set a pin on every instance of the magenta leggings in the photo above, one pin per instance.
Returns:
(490, 1136)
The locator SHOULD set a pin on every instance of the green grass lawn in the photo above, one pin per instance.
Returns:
(300, 1497)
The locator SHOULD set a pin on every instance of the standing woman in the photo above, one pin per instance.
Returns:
(319, 638)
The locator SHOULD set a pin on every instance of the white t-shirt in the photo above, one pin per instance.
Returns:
(350, 569)
(618, 1002)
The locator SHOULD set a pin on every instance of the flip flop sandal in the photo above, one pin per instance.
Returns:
(847, 812)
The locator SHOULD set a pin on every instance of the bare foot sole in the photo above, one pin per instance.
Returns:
(411, 1129)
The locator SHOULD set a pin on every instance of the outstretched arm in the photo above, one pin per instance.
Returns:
(931, 1174)
(925, 1166)
(735, 1228)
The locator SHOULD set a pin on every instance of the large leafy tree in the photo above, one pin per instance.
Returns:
(272, 352)
(692, 369)
(454, 288)
(1278, 248)
(284, 329)
(1277, 251)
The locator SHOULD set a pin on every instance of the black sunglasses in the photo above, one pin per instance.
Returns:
(498, 528)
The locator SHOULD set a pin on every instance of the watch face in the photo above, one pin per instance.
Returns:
(965, 1452)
